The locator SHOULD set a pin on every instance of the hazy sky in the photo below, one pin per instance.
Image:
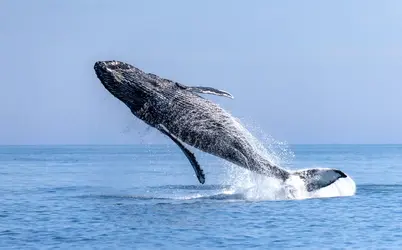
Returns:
(303, 71)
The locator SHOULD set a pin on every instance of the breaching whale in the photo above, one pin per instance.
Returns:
(179, 112)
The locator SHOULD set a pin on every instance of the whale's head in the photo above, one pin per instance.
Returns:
(127, 83)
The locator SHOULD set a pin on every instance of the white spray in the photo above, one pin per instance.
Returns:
(258, 187)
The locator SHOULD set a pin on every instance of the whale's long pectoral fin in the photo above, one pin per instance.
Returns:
(205, 90)
(190, 156)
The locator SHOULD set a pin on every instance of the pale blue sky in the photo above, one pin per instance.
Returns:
(303, 71)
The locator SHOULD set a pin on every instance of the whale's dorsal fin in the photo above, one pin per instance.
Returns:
(205, 90)
(190, 156)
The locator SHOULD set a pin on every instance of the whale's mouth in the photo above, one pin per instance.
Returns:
(100, 69)
(104, 73)
(112, 72)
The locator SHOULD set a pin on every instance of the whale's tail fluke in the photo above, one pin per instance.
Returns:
(313, 178)
(317, 178)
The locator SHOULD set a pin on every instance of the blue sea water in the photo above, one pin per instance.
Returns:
(147, 197)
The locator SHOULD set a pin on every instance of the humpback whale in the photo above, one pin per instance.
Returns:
(182, 114)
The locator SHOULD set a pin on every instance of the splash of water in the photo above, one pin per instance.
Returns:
(257, 187)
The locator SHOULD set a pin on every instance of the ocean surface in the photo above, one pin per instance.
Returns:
(147, 197)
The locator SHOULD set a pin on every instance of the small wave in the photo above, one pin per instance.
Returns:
(219, 196)
(226, 196)
(191, 187)
(241, 185)
(383, 189)
(123, 197)
(260, 191)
